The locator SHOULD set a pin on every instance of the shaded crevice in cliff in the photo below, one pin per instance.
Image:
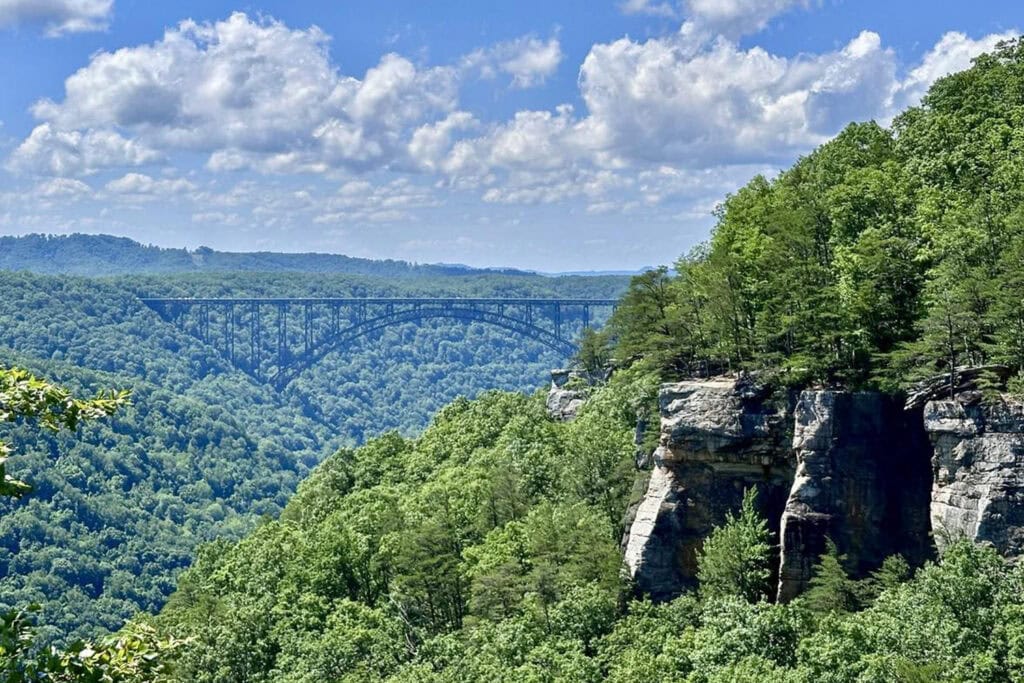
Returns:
(863, 480)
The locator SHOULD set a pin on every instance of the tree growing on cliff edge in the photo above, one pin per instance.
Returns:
(594, 353)
(736, 557)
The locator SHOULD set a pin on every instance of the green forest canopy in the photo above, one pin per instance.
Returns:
(883, 256)
(204, 451)
(486, 549)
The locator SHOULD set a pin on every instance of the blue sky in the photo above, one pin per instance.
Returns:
(559, 135)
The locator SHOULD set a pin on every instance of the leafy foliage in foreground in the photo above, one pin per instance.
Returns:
(26, 397)
(137, 654)
(483, 551)
(881, 257)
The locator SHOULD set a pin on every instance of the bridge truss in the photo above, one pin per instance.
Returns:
(275, 340)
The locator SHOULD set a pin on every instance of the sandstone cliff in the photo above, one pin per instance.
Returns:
(718, 438)
(853, 467)
(978, 466)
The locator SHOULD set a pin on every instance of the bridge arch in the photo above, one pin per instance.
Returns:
(351, 334)
(264, 337)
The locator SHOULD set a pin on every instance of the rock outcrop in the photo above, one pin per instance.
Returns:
(563, 403)
(718, 438)
(862, 480)
(978, 465)
(874, 474)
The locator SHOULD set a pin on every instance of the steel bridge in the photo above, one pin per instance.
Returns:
(274, 340)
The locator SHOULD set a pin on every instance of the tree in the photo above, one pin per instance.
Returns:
(136, 655)
(594, 353)
(831, 588)
(735, 558)
(26, 397)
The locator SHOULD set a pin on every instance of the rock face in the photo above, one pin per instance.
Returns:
(562, 403)
(862, 469)
(862, 480)
(718, 438)
(978, 464)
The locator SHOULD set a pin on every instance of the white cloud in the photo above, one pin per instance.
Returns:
(648, 7)
(430, 142)
(141, 184)
(57, 17)
(735, 18)
(217, 217)
(690, 103)
(533, 62)
(360, 201)
(952, 53)
(251, 93)
(529, 60)
(679, 118)
(52, 151)
(62, 188)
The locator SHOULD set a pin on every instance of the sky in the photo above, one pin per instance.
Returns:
(557, 135)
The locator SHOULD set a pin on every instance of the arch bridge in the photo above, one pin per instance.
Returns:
(275, 340)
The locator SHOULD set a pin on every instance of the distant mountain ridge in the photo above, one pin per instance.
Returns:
(97, 255)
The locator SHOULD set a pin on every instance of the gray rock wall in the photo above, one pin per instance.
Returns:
(876, 477)
(863, 478)
(978, 465)
(718, 438)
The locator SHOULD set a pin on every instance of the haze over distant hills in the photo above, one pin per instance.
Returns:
(97, 255)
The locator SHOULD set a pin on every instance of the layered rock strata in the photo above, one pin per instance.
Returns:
(978, 465)
(718, 438)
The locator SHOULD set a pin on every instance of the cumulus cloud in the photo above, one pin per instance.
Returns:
(51, 151)
(952, 53)
(57, 17)
(660, 117)
(529, 60)
(249, 93)
(735, 18)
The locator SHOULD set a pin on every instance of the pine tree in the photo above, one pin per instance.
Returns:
(831, 588)
(735, 558)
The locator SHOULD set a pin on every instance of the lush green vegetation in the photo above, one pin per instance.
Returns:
(402, 545)
(136, 654)
(204, 451)
(883, 256)
(487, 550)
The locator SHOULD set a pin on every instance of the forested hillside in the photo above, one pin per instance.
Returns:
(486, 550)
(98, 255)
(204, 451)
(884, 256)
